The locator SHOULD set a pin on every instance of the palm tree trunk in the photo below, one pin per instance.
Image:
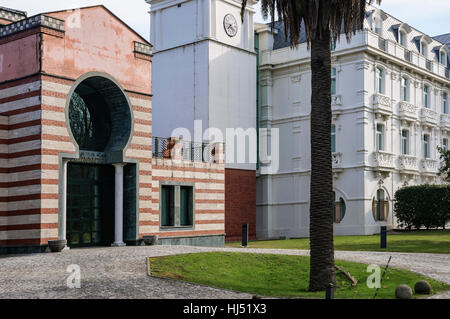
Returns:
(321, 189)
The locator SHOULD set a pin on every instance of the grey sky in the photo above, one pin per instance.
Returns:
(431, 17)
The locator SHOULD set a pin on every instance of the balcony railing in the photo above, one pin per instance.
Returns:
(445, 121)
(408, 56)
(429, 166)
(382, 104)
(407, 111)
(170, 148)
(408, 163)
(429, 65)
(428, 116)
(382, 44)
(383, 160)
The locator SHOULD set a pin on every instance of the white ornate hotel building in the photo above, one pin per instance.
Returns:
(390, 102)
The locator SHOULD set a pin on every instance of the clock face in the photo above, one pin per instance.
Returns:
(230, 25)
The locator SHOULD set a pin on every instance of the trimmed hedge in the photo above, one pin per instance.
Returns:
(423, 205)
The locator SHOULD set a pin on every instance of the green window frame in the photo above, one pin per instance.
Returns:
(177, 206)
(426, 146)
(405, 142)
(380, 137)
(333, 81)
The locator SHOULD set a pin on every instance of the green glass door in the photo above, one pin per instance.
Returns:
(90, 205)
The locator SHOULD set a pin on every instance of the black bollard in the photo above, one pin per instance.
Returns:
(383, 237)
(329, 292)
(245, 235)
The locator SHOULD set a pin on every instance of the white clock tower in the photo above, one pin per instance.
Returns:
(204, 68)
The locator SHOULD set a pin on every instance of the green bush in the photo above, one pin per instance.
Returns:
(424, 205)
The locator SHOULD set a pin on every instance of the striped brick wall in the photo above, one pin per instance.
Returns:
(140, 148)
(209, 188)
(21, 167)
(55, 139)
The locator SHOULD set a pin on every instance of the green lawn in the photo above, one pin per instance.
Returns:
(431, 241)
(276, 275)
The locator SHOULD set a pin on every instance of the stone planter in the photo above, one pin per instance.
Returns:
(56, 246)
(150, 240)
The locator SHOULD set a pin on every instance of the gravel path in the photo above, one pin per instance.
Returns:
(122, 272)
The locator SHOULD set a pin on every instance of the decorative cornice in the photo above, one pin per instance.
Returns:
(142, 48)
(12, 15)
(30, 23)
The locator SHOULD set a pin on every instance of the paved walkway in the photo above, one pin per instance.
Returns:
(122, 272)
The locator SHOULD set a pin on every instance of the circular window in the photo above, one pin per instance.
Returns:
(99, 115)
(89, 120)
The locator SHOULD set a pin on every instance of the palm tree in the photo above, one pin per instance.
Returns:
(322, 20)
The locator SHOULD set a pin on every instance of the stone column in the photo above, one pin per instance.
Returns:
(63, 203)
(118, 223)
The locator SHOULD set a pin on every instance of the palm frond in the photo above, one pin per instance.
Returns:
(339, 16)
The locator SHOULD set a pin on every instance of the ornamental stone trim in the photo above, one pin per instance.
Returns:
(383, 159)
(428, 116)
(407, 110)
(30, 23)
(408, 162)
(12, 15)
(142, 48)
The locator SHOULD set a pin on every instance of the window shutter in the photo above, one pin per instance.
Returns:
(338, 215)
(384, 210)
(374, 208)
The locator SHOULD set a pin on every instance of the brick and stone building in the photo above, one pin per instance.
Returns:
(390, 104)
(204, 76)
(76, 144)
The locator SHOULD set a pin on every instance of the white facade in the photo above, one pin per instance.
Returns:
(199, 71)
(405, 102)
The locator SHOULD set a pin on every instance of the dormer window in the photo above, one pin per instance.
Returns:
(403, 31)
(422, 42)
(443, 58)
(402, 38)
(424, 49)
(378, 26)
(377, 17)
(441, 54)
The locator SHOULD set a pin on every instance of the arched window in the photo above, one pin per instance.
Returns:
(379, 75)
(405, 89)
(405, 142)
(380, 206)
(339, 209)
(426, 146)
(426, 96)
(445, 103)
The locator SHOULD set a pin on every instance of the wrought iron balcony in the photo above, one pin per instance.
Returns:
(171, 148)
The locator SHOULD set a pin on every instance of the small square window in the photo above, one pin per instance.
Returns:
(177, 206)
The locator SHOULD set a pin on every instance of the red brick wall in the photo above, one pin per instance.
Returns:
(240, 203)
